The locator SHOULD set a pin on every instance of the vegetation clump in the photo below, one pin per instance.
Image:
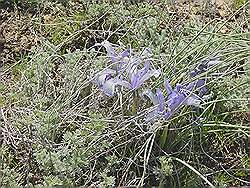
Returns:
(115, 94)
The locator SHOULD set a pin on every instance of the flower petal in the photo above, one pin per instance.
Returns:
(213, 62)
(191, 86)
(123, 60)
(158, 101)
(161, 101)
(111, 52)
(178, 87)
(192, 101)
(106, 82)
(123, 83)
(203, 91)
(134, 79)
(168, 114)
(202, 67)
(125, 53)
(175, 100)
(144, 70)
(152, 116)
(131, 67)
(138, 75)
(200, 85)
(102, 76)
(193, 73)
(168, 87)
(151, 96)
(149, 74)
(109, 87)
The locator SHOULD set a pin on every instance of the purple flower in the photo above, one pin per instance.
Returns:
(127, 73)
(176, 98)
(136, 77)
(158, 102)
(202, 68)
(116, 58)
(181, 95)
(130, 65)
(106, 81)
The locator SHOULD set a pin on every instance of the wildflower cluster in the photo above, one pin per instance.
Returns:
(128, 74)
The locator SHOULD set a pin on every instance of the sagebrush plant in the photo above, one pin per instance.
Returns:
(58, 128)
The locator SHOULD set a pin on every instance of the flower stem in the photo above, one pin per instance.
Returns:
(135, 102)
(163, 137)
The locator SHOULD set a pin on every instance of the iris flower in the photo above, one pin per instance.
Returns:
(181, 95)
(177, 97)
(106, 81)
(127, 73)
(118, 58)
(158, 102)
(202, 68)
(136, 77)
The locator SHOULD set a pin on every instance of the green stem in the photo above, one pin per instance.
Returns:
(163, 137)
(135, 102)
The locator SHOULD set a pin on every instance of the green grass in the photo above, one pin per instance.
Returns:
(57, 128)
